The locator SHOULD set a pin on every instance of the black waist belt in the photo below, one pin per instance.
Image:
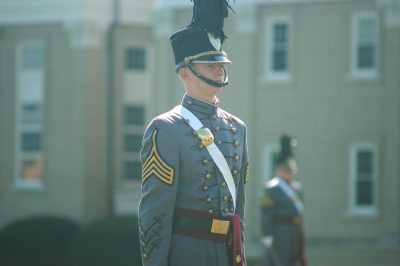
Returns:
(202, 225)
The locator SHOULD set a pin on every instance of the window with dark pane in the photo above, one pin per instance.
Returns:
(366, 51)
(132, 170)
(134, 115)
(135, 59)
(32, 57)
(31, 169)
(31, 114)
(133, 142)
(31, 142)
(364, 183)
(280, 33)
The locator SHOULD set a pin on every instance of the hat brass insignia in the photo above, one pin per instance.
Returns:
(206, 136)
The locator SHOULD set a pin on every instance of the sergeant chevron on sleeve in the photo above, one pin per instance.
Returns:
(194, 158)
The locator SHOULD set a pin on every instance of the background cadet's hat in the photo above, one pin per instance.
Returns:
(201, 41)
(287, 144)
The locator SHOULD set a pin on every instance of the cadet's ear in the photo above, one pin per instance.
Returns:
(183, 73)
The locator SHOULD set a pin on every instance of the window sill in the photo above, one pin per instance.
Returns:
(29, 185)
(276, 79)
(364, 76)
(361, 214)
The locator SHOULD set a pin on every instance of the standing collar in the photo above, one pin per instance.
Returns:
(199, 106)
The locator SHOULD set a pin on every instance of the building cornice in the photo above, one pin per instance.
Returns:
(246, 17)
(86, 21)
(391, 11)
(162, 21)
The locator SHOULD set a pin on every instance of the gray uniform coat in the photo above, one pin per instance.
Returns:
(178, 172)
(281, 219)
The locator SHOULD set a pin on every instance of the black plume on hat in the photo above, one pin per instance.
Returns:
(209, 15)
(287, 144)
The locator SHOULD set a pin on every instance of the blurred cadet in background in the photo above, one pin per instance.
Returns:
(282, 212)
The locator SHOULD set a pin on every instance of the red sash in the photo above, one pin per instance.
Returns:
(237, 245)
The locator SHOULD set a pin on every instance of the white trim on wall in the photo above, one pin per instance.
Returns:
(268, 161)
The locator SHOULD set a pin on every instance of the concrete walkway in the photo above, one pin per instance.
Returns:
(339, 255)
(353, 257)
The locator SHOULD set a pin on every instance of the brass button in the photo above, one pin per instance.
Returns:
(223, 184)
(145, 256)
(235, 172)
(234, 130)
(208, 176)
(216, 128)
(210, 211)
(236, 143)
(209, 199)
(231, 209)
(205, 161)
(237, 157)
(205, 187)
(201, 146)
(189, 102)
(225, 198)
(219, 142)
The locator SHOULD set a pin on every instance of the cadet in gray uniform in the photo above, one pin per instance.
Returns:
(282, 213)
(192, 210)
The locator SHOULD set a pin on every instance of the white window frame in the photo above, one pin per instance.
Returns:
(269, 74)
(353, 209)
(267, 161)
(357, 73)
(20, 155)
(131, 130)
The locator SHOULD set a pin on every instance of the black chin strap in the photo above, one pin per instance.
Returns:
(210, 81)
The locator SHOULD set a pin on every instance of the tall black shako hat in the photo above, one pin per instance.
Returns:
(287, 144)
(201, 41)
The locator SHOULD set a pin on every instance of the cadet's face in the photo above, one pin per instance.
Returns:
(199, 89)
(293, 167)
(213, 71)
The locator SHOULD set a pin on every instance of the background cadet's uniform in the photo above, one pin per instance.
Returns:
(280, 219)
(178, 172)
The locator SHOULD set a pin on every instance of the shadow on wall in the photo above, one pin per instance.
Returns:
(49, 241)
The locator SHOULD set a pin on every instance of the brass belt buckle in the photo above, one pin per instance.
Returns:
(206, 136)
(219, 227)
